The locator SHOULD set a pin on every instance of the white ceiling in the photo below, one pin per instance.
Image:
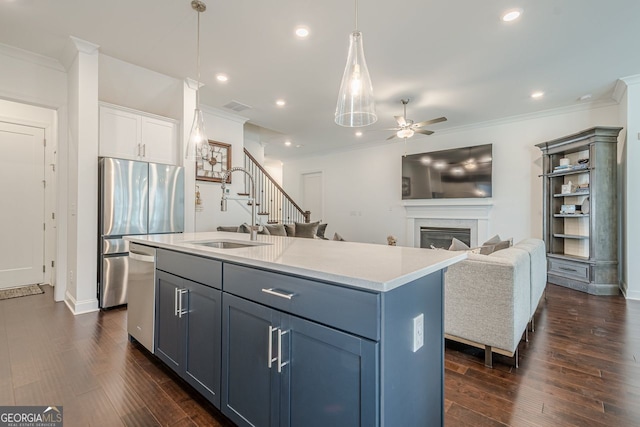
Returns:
(452, 58)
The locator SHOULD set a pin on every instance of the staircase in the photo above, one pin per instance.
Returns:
(274, 205)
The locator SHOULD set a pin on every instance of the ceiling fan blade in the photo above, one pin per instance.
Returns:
(430, 122)
(423, 131)
(391, 137)
(392, 129)
(401, 120)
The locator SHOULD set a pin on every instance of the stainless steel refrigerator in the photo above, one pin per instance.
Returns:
(135, 198)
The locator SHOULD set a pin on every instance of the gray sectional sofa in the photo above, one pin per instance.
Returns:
(490, 299)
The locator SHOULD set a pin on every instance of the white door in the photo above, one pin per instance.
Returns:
(22, 213)
(312, 195)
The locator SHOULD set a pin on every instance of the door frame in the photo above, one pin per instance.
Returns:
(45, 118)
(303, 190)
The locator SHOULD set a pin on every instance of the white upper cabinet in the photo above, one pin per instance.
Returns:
(134, 135)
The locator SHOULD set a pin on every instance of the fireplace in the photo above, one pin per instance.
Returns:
(440, 237)
(468, 214)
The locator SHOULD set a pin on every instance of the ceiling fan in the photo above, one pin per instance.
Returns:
(407, 128)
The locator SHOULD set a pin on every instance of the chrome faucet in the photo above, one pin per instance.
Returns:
(252, 197)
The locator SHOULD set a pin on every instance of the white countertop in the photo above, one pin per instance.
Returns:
(360, 265)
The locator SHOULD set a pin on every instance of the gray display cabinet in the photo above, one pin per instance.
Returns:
(292, 351)
(582, 246)
(188, 319)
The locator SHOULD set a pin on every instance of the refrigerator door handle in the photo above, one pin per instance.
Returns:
(143, 258)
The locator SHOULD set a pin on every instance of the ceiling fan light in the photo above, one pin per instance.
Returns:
(356, 106)
(405, 133)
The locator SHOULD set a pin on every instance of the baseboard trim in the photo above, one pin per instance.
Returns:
(80, 307)
(624, 288)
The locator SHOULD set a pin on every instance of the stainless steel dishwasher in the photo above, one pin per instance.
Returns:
(141, 294)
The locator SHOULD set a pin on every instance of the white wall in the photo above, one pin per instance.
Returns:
(35, 80)
(228, 128)
(362, 187)
(128, 85)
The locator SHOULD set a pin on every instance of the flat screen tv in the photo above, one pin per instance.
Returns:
(459, 173)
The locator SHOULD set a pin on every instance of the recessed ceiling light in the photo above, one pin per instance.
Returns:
(358, 133)
(536, 95)
(223, 78)
(302, 32)
(511, 15)
(287, 143)
(281, 102)
(299, 146)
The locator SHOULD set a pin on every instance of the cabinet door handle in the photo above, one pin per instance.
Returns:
(181, 309)
(270, 357)
(175, 301)
(278, 293)
(144, 150)
(568, 269)
(138, 150)
(281, 364)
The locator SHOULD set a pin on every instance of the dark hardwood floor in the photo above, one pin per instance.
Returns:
(580, 368)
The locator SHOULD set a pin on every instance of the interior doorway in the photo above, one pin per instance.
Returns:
(22, 188)
(312, 195)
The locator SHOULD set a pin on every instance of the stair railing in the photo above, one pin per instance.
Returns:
(272, 201)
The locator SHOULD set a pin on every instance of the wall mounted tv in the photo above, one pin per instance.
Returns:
(459, 173)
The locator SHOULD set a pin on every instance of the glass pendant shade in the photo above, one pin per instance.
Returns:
(356, 106)
(198, 142)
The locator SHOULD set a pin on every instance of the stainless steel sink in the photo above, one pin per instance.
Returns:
(227, 244)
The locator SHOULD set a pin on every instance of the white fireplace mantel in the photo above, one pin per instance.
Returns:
(456, 213)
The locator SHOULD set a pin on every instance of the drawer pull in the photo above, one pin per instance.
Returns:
(281, 364)
(277, 293)
(568, 269)
(270, 357)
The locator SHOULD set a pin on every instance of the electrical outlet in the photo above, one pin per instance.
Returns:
(418, 332)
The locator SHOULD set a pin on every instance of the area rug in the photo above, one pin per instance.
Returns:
(22, 291)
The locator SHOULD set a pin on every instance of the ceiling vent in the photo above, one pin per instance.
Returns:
(236, 106)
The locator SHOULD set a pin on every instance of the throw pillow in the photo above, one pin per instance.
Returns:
(306, 230)
(276, 229)
(338, 237)
(245, 228)
(457, 245)
(322, 228)
(290, 229)
(492, 241)
(233, 229)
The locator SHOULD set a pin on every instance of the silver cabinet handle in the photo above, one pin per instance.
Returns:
(270, 357)
(175, 301)
(144, 150)
(181, 309)
(280, 363)
(278, 293)
(138, 150)
(568, 269)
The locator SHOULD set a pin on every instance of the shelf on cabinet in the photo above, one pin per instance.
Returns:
(570, 215)
(570, 257)
(565, 173)
(571, 236)
(581, 193)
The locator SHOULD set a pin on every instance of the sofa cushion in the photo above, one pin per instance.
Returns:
(232, 229)
(306, 230)
(276, 229)
(338, 237)
(245, 228)
(322, 228)
(290, 229)
(492, 241)
(458, 245)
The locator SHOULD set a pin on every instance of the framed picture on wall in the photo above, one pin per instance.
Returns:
(214, 162)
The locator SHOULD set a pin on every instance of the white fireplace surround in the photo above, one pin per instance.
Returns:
(455, 213)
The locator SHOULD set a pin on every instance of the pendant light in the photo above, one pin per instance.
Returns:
(197, 144)
(356, 106)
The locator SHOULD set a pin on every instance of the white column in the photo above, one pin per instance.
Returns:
(629, 195)
(81, 61)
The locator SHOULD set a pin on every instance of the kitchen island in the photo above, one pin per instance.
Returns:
(303, 332)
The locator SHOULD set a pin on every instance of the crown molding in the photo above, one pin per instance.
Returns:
(74, 46)
(34, 58)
